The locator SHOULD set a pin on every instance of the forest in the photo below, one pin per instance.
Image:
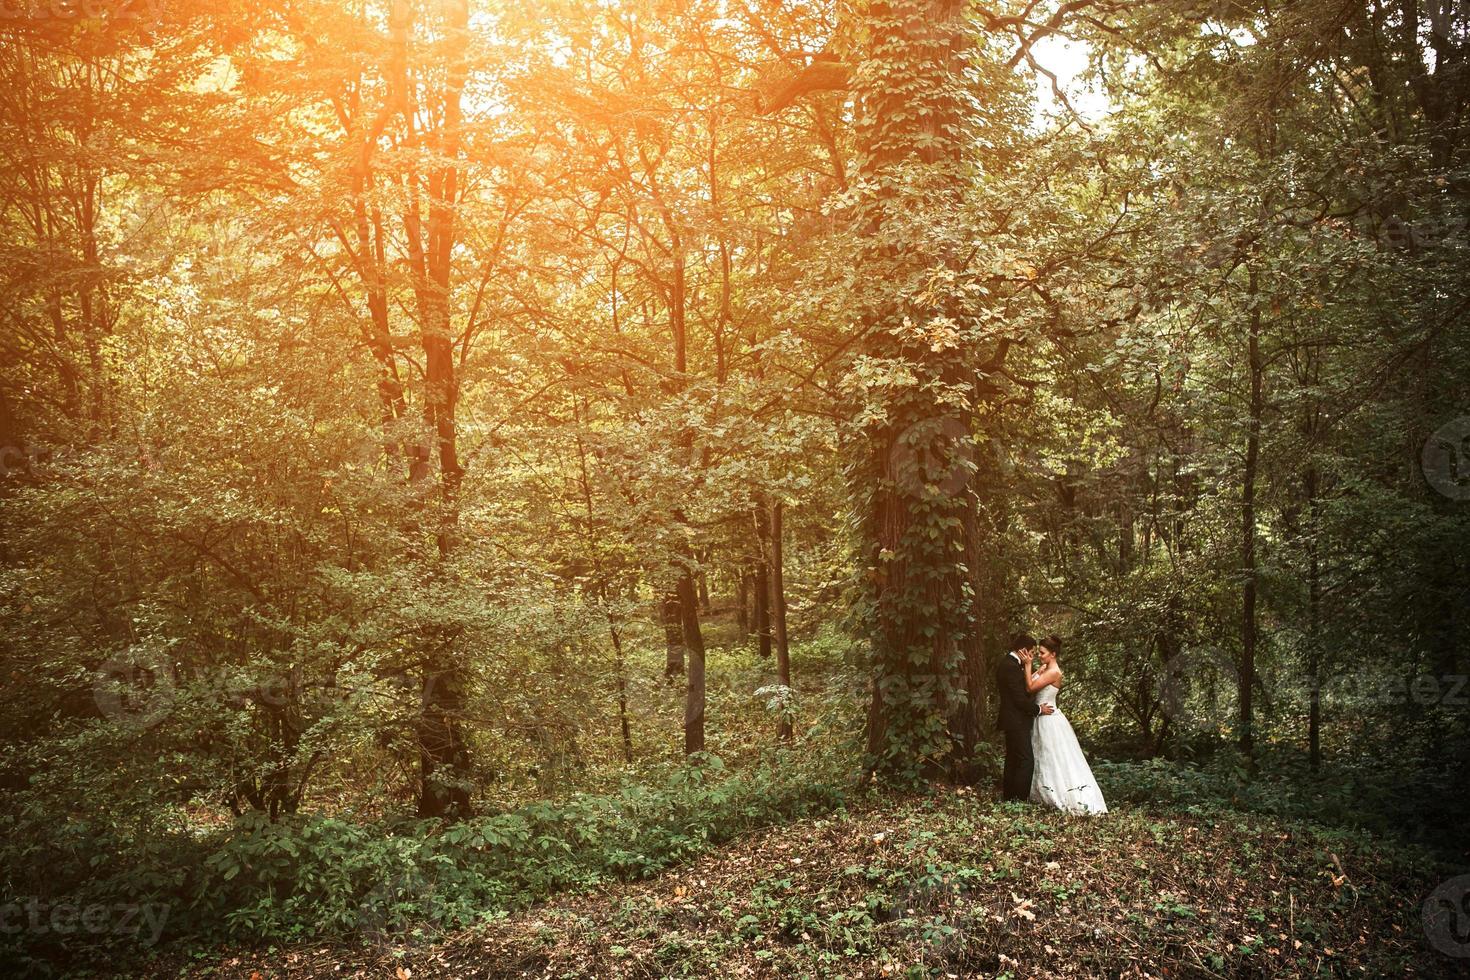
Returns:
(549, 489)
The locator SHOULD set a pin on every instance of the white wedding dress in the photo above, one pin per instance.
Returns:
(1062, 778)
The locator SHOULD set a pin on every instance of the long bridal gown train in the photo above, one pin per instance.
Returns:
(1062, 778)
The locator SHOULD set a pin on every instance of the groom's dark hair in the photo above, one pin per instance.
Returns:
(1053, 643)
(1023, 641)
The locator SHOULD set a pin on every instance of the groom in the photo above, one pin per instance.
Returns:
(1018, 709)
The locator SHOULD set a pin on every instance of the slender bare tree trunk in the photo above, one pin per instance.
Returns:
(1314, 627)
(673, 635)
(762, 581)
(778, 610)
(694, 700)
(1249, 631)
(620, 665)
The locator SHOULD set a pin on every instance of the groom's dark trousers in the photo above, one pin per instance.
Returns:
(1018, 711)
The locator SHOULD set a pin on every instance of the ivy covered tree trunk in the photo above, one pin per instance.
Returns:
(971, 718)
(915, 513)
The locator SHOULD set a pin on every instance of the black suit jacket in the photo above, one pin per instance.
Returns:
(1018, 709)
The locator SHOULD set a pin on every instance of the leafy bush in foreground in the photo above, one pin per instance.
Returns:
(317, 875)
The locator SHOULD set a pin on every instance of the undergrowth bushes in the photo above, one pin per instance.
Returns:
(314, 875)
(1384, 796)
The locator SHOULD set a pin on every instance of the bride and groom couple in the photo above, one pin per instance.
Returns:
(1044, 763)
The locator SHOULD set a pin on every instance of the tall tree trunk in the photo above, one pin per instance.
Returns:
(1314, 626)
(444, 752)
(913, 138)
(620, 665)
(694, 699)
(673, 635)
(971, 719)
(778, 613)
(13, 457)
(93, 305)
(703, 581)
(762, 581)
(686, 589)
(1249, 630)
(742, 600)
(444, 758)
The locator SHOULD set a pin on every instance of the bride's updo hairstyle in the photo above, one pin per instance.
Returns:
(1054, 644)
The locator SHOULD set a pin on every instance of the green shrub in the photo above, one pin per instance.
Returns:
(318, 876)
(1399, 798)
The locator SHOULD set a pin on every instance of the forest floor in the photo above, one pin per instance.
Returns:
(946, 885)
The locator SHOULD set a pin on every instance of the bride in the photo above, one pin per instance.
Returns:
(1062, 777)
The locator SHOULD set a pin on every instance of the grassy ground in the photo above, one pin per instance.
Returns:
(948, 885)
